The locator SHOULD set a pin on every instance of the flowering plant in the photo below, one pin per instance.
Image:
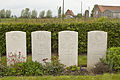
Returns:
(15, 58)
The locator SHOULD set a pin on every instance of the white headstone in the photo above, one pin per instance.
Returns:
(97, 46)
(16, 47)
(68, 48)
(41, 46)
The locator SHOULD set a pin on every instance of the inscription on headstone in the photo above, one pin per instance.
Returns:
(16, 47)
(86, 15)
(41, 46)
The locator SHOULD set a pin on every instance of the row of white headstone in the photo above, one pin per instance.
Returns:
(68, 47)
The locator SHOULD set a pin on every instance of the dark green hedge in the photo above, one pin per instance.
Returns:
(113, 30)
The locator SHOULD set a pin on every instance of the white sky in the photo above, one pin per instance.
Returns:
(16, 6)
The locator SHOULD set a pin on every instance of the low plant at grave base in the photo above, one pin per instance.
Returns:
(15, 58)
(31, 68)
(101, 68)
(3, 71)
(23, 69)
(74, 70)
(53, 68)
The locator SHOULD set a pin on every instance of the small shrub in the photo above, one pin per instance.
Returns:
(29, 69)
(113, 58)
(23, 69)
(54, 68)
(4, 71)
(101, 68)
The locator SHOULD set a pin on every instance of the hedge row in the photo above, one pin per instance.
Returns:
(113, 30)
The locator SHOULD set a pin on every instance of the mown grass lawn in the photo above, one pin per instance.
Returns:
(97, 77)
(82, 60)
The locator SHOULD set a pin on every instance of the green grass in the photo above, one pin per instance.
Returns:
(55, 20)
(97, 77)
(82, 60)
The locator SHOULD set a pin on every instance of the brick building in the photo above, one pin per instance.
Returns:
(106, 11)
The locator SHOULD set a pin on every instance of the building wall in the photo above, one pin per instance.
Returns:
(116, 15)
(108, 14)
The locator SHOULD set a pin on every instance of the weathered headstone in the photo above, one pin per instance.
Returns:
(41, 46)
(86, 15)
(68, 48)
(16, 47)
(97, 46)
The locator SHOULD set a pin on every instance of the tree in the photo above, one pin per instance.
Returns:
(8, 13)
(93, 10)
(2, 13)
(42, 14)
(22, 13)
(59, 12)
(49, 14)
(29, 15)
(34, 14)
(26, 13)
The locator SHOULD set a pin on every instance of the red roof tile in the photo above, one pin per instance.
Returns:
(70, 12)
(103, 8)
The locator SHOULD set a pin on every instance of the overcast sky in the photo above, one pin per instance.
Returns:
(17, 5)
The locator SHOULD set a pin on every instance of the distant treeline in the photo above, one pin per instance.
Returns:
(26, 13)
(5, 13)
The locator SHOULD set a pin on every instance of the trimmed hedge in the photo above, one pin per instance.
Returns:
(113, 30)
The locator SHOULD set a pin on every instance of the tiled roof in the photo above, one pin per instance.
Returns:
(103, 8)
(69, 12)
